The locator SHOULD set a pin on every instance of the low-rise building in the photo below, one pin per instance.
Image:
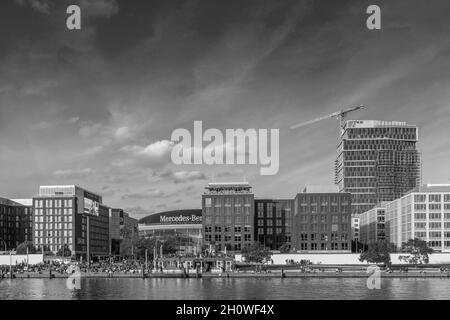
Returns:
(372, 225)
(15, 223)
(422, 213)
(322, 220)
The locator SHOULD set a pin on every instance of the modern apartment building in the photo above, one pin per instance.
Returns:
(377, 161)
(71, 217)
(15, 224)
(273, 222)
(228, 216)
(372, 225)
(423, 213)
(322, 220)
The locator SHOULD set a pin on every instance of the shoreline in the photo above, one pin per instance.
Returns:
(236, 275)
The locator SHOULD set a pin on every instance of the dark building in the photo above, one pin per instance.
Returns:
(273, 223)
(322, 220)
(121, 228)
(377, 161)
(71, 217)
(228, 216)
(15, 224)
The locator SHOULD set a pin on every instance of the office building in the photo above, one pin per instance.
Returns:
(377, 161)
(322, 220)
(355, 229)
(183, 225)
(423, 213)
(228, 216)
(372, 224)
(121, 228)
(15, 223)
(71, 217)
(273, 223)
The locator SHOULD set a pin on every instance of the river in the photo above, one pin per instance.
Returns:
(223, 289)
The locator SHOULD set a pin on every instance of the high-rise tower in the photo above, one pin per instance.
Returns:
(377, 161)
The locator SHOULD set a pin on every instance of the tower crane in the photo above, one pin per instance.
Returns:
(339, 115)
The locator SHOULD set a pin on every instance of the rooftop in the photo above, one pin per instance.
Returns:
(321, 189)
(431, 188)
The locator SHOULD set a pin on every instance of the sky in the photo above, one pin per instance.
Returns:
(96, 107)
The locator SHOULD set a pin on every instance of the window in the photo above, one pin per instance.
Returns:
(434, 198)
(218, 229)
(237, 229)
(208, 203)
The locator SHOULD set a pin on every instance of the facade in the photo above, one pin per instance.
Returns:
(355, 229)
(372, 225)
(184, 225)
(228, 216)
(70, 217)
(15, 224)
(377, 161)
(423, 213)
(273, 223)
(322, 220)
(121, 227)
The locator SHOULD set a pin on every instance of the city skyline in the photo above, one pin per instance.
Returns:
(96, 107)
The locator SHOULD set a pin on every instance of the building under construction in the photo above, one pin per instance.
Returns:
(377, 161)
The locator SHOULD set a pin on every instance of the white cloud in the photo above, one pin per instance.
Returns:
(88, 130)
(123, 133)
(42, 6)
(185, 176)
(73, 173)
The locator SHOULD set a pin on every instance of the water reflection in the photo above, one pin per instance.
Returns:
(222, 289)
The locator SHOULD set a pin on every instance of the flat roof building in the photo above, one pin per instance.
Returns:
(15, 223)
(372, 225)
(322, 221)
(423, 213)
(228, 216)
(70, 217)
(377, 161)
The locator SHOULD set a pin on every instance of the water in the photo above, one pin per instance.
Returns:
(222, 289)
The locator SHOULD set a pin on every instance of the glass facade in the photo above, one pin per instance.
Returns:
(377, 161)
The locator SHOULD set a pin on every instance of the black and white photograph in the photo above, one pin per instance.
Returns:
(217, 151)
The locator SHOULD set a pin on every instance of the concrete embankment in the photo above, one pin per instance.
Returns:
(287, 274)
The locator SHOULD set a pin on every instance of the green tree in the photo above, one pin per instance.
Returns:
(256, 253)
(418, 251)
(378, 252)
(22, 248)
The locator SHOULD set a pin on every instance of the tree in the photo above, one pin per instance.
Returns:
(418, 251)
(378, 252)
(284, 248)
(22, 248)
(256, 253)
(64, 251)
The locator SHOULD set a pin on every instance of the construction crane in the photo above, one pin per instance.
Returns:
(340, 115)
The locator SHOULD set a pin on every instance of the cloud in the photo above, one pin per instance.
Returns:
(177, 176)
(156, 153)
(139, 211)
(186, 176)
(73, 174)
(123, 133)
(41, 6)
(88, 130)
(153, 193)
(99, 8)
